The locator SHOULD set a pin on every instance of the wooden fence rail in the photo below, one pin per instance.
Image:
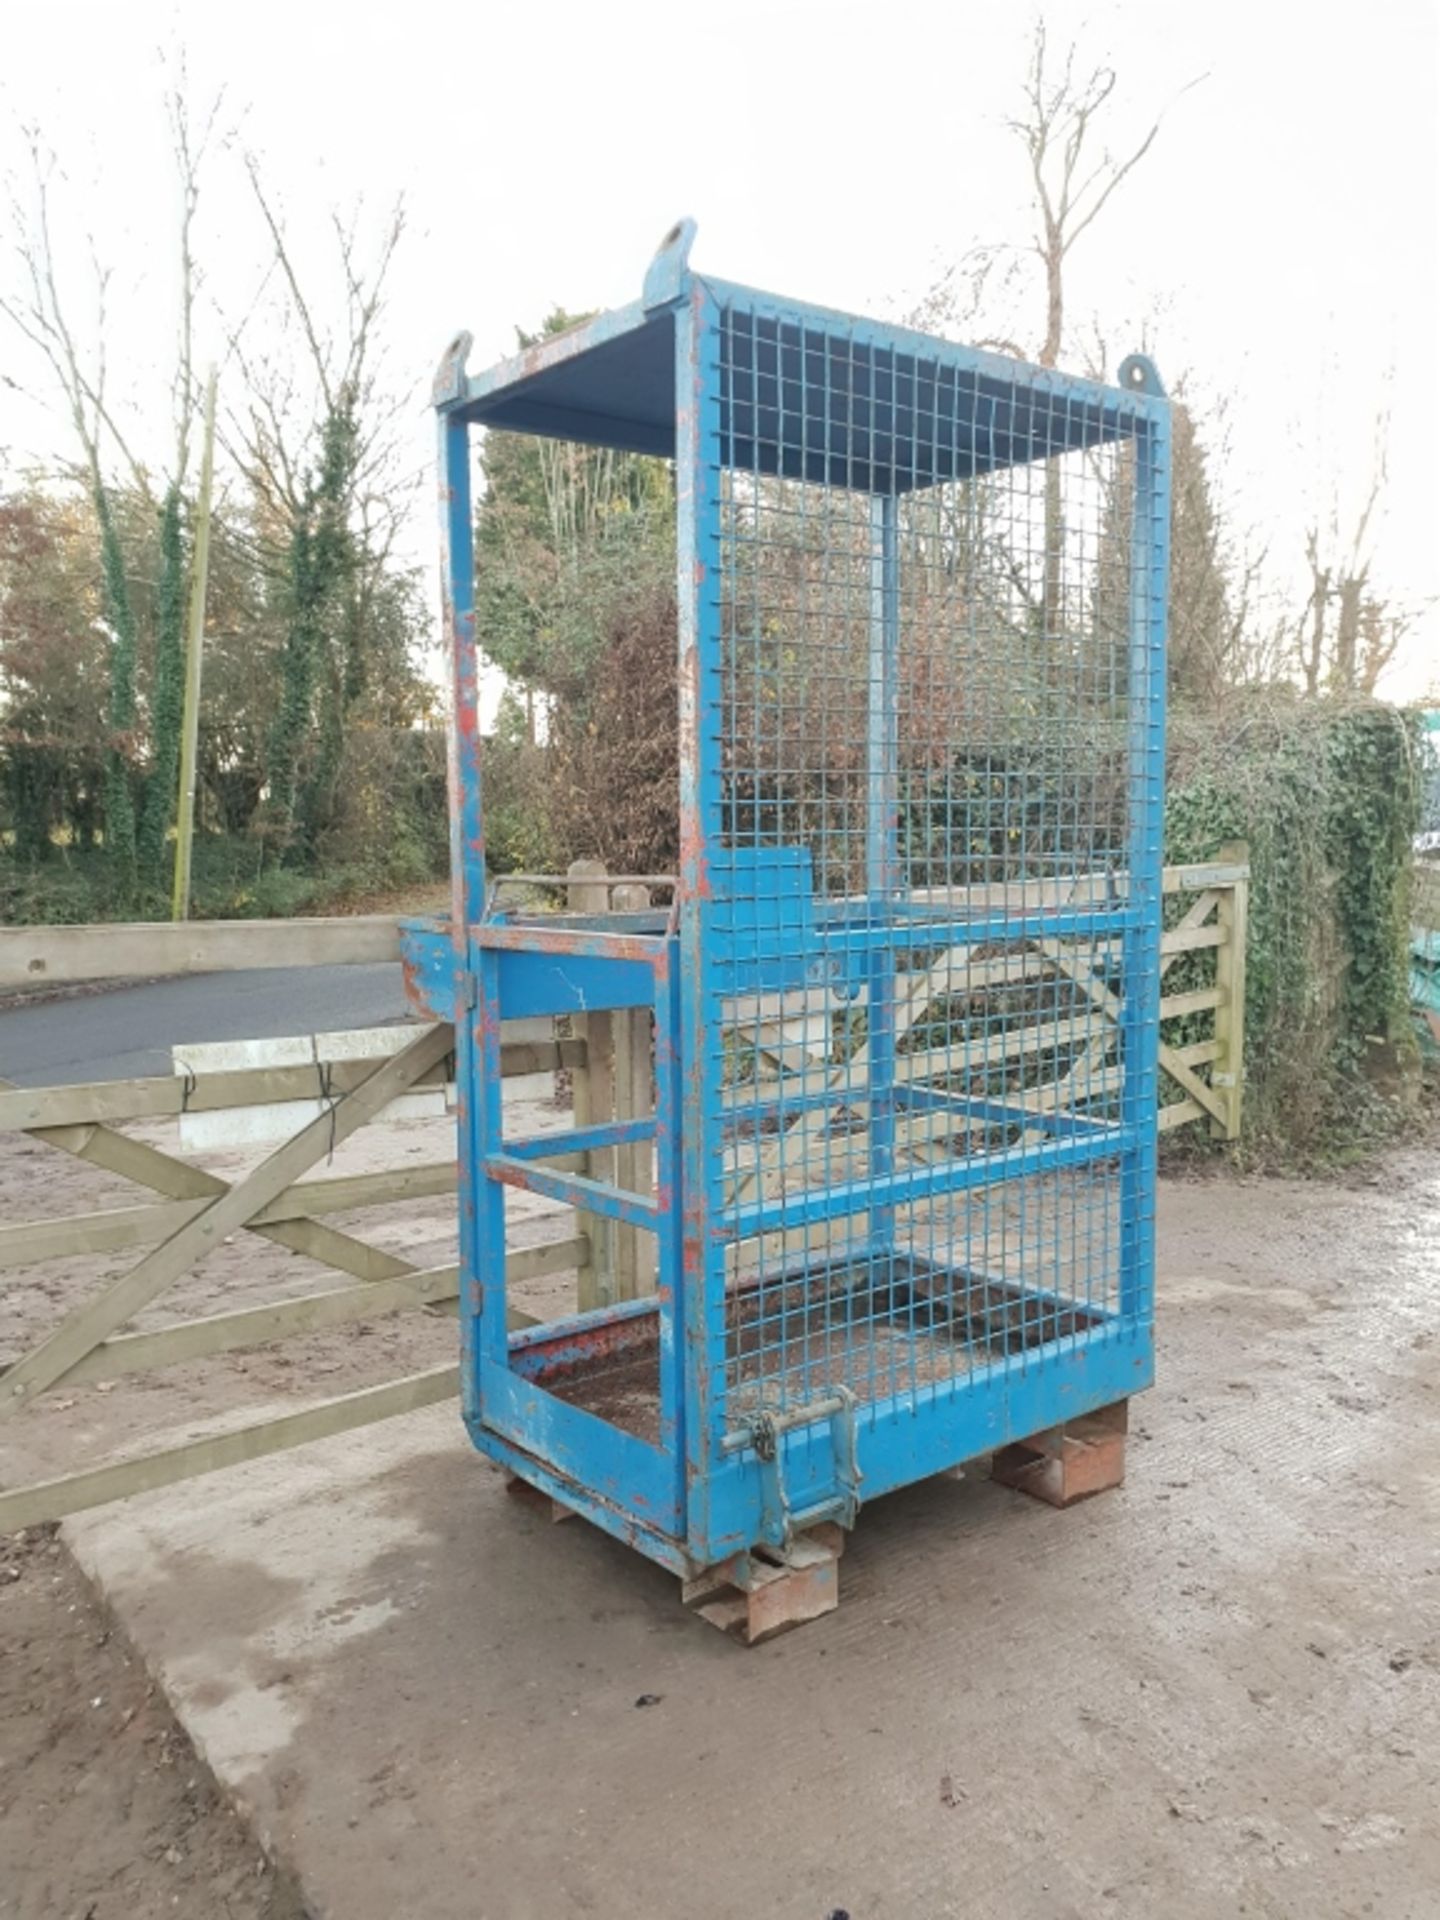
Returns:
(197, 1210)
(186, 1211)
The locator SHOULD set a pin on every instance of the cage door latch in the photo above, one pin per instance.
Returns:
(778, 1519)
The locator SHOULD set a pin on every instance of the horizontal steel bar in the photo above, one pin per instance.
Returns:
(574, 1189)
(610, 1133)
(998, 1112)
(568, 880)
(647, 950)
(554, 1347)
(897, 1189)
(830, 941)
(785, 1421)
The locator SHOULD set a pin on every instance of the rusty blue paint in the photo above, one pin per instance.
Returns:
(579, 943)
(476, 1108)
(448, 385)
(942, 1425)
(698, 455)
(731, 381)
(670, 1282)
(665, 1546)
(580, 1341)
(665, 279)
(536, 981)
(430, 967)
(887, 392)
(615, 1466)
(1140, 1014)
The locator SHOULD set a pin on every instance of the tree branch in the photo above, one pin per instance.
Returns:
(318, 357)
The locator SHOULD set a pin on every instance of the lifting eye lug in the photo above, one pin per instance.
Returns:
(1139, 374)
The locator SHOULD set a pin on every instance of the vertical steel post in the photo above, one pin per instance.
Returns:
(882, 840)
(701, 1305)
(477, 1039)
(669, 1259)
(1140, 1016)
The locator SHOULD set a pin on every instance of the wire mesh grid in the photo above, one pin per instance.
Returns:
(925, 804)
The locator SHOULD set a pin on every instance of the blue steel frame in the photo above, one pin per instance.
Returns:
(702, 1491)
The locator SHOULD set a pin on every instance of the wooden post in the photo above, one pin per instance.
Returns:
(594, 1099)
(194, 646)
(634, 1100)
(1227, 1076)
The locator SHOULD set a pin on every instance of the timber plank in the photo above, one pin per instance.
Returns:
(73, 1493)
(243, 1327)
(160, 1268)
(164, 1096)
(163, 1173)
(113, 1229)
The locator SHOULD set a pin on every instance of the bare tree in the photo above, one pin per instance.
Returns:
(43, 317)
(189, 143)
(1073, 175)
(274, 432)
(1347, 634)
(40, 316)
(1071, 188)
(1071, 184)
(316, 434)
(1059, 128)
(1383, 630)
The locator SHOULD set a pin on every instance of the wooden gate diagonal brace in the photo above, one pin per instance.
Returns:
(230, 1210)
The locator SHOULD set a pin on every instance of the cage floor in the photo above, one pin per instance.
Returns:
(882, 1328)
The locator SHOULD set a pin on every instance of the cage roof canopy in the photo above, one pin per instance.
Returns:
(802, 392)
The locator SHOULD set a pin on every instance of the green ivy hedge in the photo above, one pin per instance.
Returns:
(1327, 794)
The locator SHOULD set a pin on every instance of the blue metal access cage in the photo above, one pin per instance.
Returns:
(905, 996)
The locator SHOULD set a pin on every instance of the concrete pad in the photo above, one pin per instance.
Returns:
(1215, 1691)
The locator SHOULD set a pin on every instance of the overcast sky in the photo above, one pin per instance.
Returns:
(1278, 245)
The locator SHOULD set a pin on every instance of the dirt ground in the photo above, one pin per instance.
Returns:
(105, 1812)
(1216, 1692)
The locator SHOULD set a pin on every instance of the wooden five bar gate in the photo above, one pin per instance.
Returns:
(189, 1211)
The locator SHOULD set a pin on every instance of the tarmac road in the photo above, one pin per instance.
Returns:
(127, 1032)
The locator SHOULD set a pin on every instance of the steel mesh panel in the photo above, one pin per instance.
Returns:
(925, 734)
